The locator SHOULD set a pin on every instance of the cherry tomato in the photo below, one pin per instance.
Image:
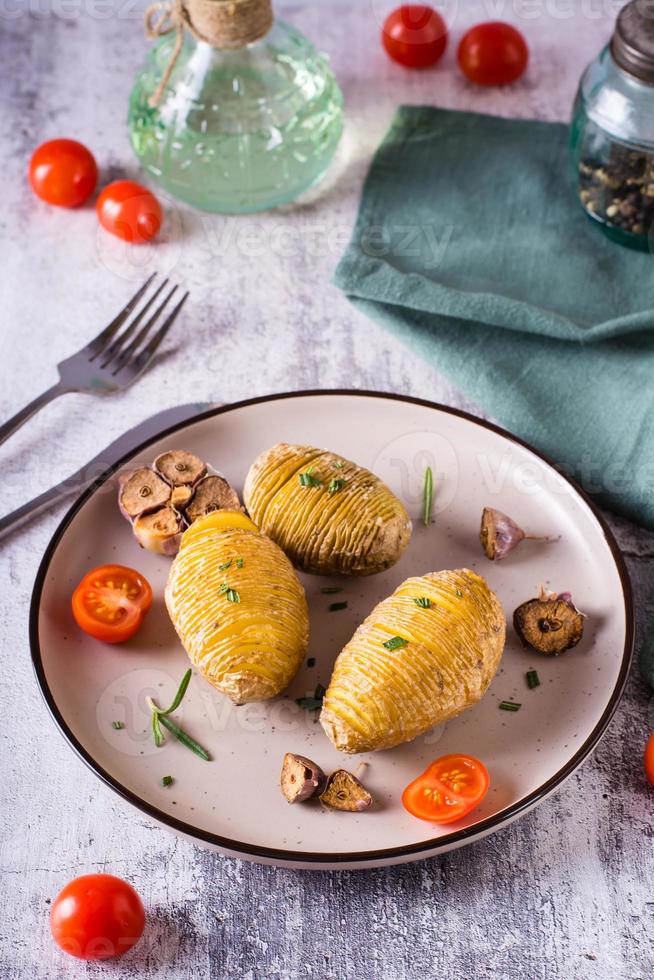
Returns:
(414, 35)
(110, 602)
(493, 54)
(448, 789)
(648, 760)
(129, 211)
(63, 172)
(95, 917)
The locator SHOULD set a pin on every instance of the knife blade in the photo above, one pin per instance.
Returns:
(108, 457)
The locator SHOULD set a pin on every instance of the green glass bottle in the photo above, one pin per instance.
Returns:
(235, 129)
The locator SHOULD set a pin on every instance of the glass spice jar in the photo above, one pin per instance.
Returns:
(612, 130)
(234, 111)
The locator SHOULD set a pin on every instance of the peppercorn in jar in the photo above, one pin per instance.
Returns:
(612, 131)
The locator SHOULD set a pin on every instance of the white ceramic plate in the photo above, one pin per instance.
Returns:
(233, 803)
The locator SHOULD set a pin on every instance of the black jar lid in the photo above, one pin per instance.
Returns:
(632, 44)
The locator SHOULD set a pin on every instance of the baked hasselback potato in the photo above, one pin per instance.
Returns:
(423, 655)
(330, 516)
(238, 607)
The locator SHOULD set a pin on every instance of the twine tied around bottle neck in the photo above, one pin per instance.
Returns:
(226, 24)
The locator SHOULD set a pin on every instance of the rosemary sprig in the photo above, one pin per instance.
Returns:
(427, 496)
(184, 738)
(160, 716)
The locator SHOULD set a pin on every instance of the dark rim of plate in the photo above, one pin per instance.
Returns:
(426, 848)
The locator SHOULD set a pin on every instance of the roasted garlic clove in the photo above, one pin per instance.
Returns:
(550, 623)
(498, 534)
(300, 778)
(141, 491)
(180, 468)
(212, 493)
(180, 497)
(344, 792)
(160, 532)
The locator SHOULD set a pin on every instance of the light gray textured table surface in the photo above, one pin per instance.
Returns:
(566, 891)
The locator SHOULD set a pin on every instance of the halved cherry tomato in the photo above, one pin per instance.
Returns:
(494, 53)
(648, 760)
(96, 917)
(63, 172)
(129, 211)
(110, 602)
(448, 789)
(414, 35)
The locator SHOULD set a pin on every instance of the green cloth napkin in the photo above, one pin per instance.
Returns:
(470, 244)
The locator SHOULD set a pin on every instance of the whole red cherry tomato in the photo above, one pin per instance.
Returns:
(63, 172)
(129, 211)
(414, 35)
(648, 760)
(493, 54)
(96, 917)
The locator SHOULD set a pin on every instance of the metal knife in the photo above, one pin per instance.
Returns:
(92, 470)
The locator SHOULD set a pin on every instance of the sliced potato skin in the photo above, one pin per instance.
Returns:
(250, 649)
(378, 698)
(359, 529)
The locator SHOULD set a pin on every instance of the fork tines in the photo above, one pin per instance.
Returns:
(120, 352)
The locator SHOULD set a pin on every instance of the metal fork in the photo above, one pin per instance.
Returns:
(113, 360)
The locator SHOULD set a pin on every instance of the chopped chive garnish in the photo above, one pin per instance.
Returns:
(335, 486)
(311, 662)
(427, 496)
(509, 706)
(239, 563)
(160, 717)
(308, 480)
(331, 589)
(225, 565)
(335, 606)
(459, 594)
(396, 643)
(337, 464)
(167, 781)
(313, 703)
(422, 601)
(230, 594)
(533, 680)
(118, 725)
